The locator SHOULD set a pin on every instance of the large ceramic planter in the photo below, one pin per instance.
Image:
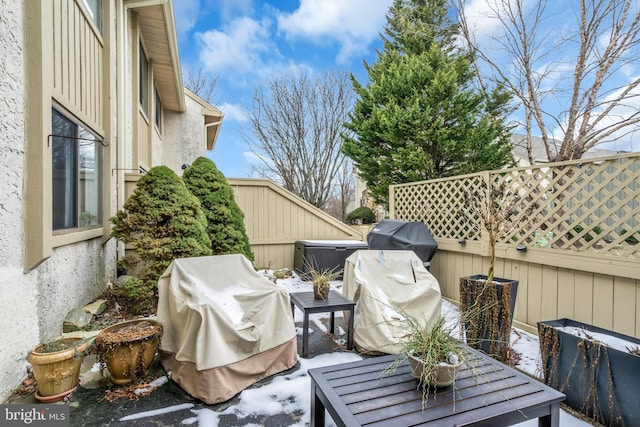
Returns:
(598, 370)
(440, 375)
(57, 372)
(488, 313)
(128, 349)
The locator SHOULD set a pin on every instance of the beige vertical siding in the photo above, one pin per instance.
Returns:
(77, 63)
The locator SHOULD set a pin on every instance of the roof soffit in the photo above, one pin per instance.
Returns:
(158, 30)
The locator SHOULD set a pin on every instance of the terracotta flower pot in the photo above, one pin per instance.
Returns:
(127, 349)
(57, 371)
(440, 375)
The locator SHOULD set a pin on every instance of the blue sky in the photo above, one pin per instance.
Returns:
(246, 41)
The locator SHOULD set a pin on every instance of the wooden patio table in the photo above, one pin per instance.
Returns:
(485, 393)
(334, 302)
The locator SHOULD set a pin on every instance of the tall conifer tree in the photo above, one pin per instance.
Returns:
(419, 116)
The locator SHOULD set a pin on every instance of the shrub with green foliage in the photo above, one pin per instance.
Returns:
(363, 215)
(224, 217)
(162, 221)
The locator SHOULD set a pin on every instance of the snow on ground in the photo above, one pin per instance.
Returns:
(290, 393)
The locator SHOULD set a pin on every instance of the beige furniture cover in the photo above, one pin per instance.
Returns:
(381, 282)
(225, 326)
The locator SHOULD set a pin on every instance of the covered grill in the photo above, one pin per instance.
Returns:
(404, 235)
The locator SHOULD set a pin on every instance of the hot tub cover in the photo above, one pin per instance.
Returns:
(225, 326)
(380, 282)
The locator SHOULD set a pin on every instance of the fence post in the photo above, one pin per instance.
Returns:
(391, 202)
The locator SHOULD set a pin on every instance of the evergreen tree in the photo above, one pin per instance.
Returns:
(419, 116)
(225, 219)
(162, 221)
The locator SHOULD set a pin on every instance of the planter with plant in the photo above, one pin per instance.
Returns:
(321, 281)
(432, 350)
(598, 370)
(488, 302)
(127, 349)
(56, 367)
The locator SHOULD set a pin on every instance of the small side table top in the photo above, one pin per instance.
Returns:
(306, 302)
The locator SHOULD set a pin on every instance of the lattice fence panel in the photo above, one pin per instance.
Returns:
(440, 204)
(588, 206)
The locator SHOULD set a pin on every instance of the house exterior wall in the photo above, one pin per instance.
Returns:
(54, 56)
(18, 290)
(184, 136)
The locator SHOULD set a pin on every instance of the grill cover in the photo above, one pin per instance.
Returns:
(403, 235)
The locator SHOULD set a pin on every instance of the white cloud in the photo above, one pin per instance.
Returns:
(481, 16)
(234, 113)
(186, 14)
(353, 24)
(236, 49)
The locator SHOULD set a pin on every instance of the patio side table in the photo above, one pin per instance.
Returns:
(308, 304)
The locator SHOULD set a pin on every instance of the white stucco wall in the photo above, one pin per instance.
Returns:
(71, 277)
(33, 304)
(18, 291)
(184, 139)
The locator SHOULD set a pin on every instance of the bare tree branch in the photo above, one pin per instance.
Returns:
(590, 104)
(296, 121)
(202, 84)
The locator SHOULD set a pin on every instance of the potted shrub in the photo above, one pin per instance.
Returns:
(56, 367)
(127, 349)
(598, 370)
(487, 302)
(433, 352)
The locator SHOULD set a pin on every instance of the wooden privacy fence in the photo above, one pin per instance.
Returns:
(275, 219)
(575, 247)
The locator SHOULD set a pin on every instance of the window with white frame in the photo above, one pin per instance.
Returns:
(144, 81)
(77, 174)
(95, 10)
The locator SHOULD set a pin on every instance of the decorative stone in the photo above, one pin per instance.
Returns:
(96, 307)
(76, 319)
